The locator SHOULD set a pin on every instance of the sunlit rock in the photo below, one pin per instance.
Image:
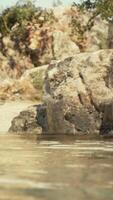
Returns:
(79, 94)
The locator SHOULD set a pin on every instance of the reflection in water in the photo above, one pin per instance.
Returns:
(55, 170)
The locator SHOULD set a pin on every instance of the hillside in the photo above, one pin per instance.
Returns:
(42, 37)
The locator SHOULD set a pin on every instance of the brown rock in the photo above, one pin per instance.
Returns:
(63, 46)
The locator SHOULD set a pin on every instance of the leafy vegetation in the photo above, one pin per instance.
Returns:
(18, 14)
(21, 21)
(14, 20)
(86, 4)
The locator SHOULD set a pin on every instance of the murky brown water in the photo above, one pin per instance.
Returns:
(55, 170)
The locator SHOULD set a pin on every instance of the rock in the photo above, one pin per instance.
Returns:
(79, 94)
(110, 35)
(42, 117)
(63, 18)
(97, 37)
(35, 78)
(26, 122)
(8, 43)
(28, 87)
(40, 45)
(107, 120)
(63, 46)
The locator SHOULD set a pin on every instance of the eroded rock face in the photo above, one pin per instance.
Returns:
(79, 94)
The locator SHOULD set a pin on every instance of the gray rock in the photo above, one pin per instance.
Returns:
(26, 122)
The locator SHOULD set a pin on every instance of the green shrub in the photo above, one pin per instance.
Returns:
(19, 14)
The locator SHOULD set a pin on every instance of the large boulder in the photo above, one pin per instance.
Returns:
(79, 94)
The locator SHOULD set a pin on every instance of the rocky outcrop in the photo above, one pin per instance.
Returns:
(33, 120)
(78, 98)
(79, 94)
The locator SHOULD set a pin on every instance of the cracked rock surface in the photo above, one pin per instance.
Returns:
(79, 94)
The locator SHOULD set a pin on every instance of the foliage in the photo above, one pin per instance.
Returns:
(105, 8)
(78, 28)
(86, 4)
(18, 20)
(102, 7)
(17, 14)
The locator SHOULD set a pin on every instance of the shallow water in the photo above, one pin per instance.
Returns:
(55, 169)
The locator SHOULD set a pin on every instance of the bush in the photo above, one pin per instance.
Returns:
(87, 4)
(105, 9)
(19, 14)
